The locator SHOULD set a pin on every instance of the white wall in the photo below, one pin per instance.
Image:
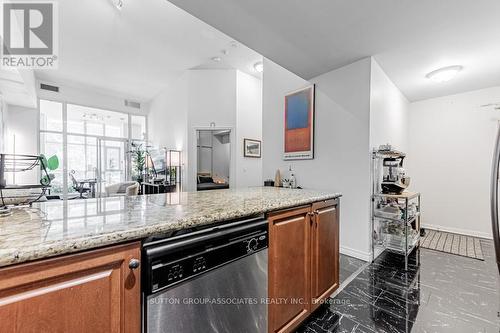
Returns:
(21, 137)
(21, 130)
(211, 99)
(451, 147)
(342, 159)
(3, 123)
(248, 126)
(167, 119)
(227, 99)
(91, 97)
(389, 111)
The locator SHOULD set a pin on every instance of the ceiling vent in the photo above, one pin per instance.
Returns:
(132, 104)
(49, 87)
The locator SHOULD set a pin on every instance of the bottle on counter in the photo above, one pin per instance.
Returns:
(293, 180)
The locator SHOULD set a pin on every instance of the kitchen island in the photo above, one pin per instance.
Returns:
(77, 241)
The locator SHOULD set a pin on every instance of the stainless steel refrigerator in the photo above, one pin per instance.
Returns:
(494, 198)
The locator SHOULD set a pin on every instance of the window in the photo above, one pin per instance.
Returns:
(52, 144)
(90, 143)
(51, 116)
(97, 122)
(82, 156)
(138, 128)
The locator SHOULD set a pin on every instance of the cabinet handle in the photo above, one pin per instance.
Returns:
(134, 263)
(311, 219)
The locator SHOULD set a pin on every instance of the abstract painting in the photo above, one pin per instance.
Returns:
(299, 124)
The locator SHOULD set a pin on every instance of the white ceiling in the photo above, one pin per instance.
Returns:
(139, 50)
(408, 38)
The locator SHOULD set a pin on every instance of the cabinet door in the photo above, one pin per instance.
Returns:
(94, 291)
(325, 251)
(289, 269)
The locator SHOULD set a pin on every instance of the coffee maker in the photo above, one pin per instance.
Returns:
(394, 179)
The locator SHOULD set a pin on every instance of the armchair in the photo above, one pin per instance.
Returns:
(122, 189)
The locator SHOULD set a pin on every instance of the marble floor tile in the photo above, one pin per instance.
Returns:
(363, 291)
(323, 320)
(368, 315)
(348, 266)
(439, 292)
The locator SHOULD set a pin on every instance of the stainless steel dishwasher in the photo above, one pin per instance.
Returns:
(210, 280)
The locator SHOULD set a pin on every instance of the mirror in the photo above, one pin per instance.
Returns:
(213, 159)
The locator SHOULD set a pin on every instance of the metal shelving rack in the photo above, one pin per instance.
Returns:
(10, 163)
(409, 221)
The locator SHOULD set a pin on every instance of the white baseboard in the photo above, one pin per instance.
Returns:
(458, 231)
(378, 251)
(365, 256)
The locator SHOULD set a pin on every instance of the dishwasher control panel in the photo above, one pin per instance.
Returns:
(173, 269)
(255, 243)
(199, 264)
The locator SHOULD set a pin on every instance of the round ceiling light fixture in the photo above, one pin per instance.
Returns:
(444, 74)
(259, 67)
(216, 59)
(118, 4)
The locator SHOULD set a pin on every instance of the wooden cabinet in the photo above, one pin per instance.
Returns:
(95, 291)
(325, 251)
(303, 262)
(289, 269)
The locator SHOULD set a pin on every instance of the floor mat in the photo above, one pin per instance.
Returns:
(466, 246)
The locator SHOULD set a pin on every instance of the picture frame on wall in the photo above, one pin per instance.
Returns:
(299, 124)
(252, 148)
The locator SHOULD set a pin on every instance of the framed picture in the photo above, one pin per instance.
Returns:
(252, 148)
(299, 124)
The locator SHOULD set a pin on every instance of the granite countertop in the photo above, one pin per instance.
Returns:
(59, 227)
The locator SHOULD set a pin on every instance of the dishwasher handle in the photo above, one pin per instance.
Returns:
(187, 242)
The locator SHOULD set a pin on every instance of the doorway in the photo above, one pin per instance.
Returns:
(213, 149)
(112, 163)
(96, 162)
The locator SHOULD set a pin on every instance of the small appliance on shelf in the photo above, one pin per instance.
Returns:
(395, 211)
(12, 194)
(394, 179)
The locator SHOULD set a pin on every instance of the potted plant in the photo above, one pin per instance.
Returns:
(138, 154)
(50, 164)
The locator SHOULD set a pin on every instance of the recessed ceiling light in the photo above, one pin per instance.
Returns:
(118, 4)
(259, 67)
(216, 59)
(444, 74)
